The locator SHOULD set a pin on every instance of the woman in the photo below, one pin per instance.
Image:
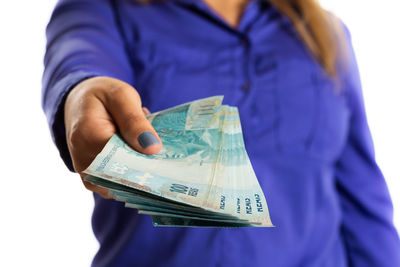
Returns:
(302, 115)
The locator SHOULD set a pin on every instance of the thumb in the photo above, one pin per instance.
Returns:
(125, 107)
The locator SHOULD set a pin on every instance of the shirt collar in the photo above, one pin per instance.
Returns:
(250, 13)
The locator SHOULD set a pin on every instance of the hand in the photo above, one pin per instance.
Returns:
(97, 108)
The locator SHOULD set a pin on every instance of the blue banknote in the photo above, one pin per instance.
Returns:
(202, 174)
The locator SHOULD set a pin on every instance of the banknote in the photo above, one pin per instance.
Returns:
(181, 222)
(202, 174)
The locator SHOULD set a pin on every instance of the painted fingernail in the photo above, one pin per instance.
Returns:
(147, 139)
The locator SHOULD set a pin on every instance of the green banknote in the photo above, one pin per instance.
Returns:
(201, 177)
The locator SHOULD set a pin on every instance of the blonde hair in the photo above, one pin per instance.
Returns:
(320, 31)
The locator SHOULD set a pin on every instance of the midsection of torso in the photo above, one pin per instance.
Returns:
(294, 122)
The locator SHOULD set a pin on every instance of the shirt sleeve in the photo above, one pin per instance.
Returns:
(367, 223)
(83, 40)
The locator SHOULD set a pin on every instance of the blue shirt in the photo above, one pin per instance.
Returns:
(306, 135)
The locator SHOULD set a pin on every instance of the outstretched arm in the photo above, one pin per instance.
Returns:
(87, 92)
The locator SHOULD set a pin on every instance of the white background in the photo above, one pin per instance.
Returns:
(45, 211)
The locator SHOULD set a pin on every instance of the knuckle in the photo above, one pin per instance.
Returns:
(122, 91)
(74, 138)
(116, 90)
(77, 136)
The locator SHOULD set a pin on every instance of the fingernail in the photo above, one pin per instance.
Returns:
(147, 139)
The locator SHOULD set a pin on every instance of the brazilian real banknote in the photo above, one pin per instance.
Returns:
(202, 177)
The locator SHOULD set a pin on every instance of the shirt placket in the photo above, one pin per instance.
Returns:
(242, 78)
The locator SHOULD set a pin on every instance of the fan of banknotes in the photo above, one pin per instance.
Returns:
(202, 177)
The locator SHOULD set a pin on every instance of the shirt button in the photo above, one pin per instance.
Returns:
(244, 41)
(246, 87)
